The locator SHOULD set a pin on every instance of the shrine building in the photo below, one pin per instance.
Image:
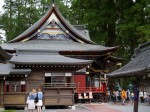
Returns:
(56, 56)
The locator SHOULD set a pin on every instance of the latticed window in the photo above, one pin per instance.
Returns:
(14, 86)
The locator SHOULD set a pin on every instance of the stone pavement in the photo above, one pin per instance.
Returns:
(99, 107)
(129, 107)
(83, 108)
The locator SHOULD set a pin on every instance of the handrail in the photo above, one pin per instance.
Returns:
(58, 85)
(88, 89)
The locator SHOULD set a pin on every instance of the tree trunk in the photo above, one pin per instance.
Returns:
(111, 35)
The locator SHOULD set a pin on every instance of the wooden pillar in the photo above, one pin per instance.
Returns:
(1, 93)
(136, 96)
(100, 82)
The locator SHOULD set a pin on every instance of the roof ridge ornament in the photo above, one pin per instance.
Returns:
(53, 23)
(53, 3)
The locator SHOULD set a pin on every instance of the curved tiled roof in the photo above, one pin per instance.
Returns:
(73, 29)
(4, 55)
(56, 46)
(32, 57)
(34, 28)
(44, 21)
(6, 69)
(140, 63)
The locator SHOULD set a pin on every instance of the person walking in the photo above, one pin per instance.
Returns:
(128, 95)
(31, 97)
(40, 102)
(117, 96)
(114, 96)
(132, 97)
(141, 96)
(123, 96)
(109, 96)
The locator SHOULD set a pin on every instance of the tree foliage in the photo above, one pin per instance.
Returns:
(21, 14)
(115, 22)
(110, 22)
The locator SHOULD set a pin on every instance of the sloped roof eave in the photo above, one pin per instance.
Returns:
(127, 73)
(61, 46)
(6, 69)
(20, 71)
(4, 54)
(47, 60)
(140, 64)
(33, 28)
(72, 28)
(39, 23)
(116, 59)
(4, 73)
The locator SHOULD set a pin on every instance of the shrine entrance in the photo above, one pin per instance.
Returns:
(58, 78)
(58, 89)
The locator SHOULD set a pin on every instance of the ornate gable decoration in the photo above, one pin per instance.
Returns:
(52, 23)
(52, 32)
(52, 26)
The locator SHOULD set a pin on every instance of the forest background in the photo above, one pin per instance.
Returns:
(123, 23)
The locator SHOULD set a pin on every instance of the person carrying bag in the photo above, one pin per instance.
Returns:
(36, 100)
(31, 103)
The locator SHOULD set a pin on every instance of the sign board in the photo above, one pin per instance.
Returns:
(48, 74)
(68, 74)
(23, 82)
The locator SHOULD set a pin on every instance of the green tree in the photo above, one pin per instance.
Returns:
(132, 17)
(115, 22)
(21, 14)
(144, 33)
(100, 17)
(18, 16)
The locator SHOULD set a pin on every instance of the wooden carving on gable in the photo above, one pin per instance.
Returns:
(52, 32)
